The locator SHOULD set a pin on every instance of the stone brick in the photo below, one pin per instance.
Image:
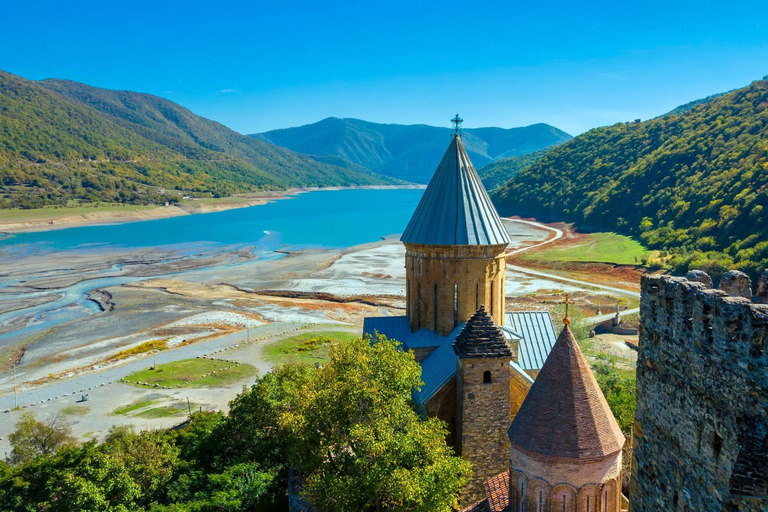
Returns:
(446, 285)
(702, 400)
(700, 276)
(736, 284)
(484, 411)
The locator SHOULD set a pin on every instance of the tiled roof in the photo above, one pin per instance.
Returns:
(438, 368)
(481, 338)
(497, 492)
(496, 495)
(565, 414)
(455, 209)
(538, 337)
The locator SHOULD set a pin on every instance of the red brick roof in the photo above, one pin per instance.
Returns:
(565, 414)
(496, 495)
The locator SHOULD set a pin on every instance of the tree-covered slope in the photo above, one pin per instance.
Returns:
(501, 171)
(694, 184)
(61, 140)
(409, 152)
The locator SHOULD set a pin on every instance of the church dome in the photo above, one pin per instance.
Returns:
(565, 414)
(455, 208)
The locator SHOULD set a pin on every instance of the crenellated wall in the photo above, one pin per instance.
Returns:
(701, 427)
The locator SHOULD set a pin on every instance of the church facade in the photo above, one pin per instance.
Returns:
(455, 270)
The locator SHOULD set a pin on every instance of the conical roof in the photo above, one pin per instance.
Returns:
(565, 414)
(455, 208)
(480, 337)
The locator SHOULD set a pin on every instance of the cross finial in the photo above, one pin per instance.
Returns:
(567, 301)
(456, 124)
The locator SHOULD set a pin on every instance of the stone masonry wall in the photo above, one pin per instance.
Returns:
(439, 277)
(482, 421)
(701, 427)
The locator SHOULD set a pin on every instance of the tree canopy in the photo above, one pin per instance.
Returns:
(347, 432)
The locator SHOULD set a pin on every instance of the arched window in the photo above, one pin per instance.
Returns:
(486, 377)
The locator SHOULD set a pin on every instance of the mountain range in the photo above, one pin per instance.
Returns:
(692, 183)
(63, 140)
(409, 152)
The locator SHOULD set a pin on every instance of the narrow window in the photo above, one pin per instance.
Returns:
(418, 306)
(717, 445)
(541, 501)
(522, 496)
(605, 508)
(563, 502)
(587, 503)
(455, 304)
(492, 298)
(477, 297)
(486, 377)
(408, 294)
(435, 312)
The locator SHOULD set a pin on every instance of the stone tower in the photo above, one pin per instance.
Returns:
(483, 400)
(565, 442)
(455, 245)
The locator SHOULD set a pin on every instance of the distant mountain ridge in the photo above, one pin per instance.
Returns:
(409, 152)
(692, 183)
(63, 140)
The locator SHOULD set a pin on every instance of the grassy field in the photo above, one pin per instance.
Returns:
(124, 410)
(196, 373)
(143, 408)
(76, 410)
(178, 408)
(311, 347)
(593, 247)
(52, 213)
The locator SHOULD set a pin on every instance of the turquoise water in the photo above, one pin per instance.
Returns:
(333, 218)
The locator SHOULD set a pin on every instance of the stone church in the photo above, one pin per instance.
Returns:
(479, 362)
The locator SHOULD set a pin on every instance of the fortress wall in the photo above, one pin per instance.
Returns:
(701, 427)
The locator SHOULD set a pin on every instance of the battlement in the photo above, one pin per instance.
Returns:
(701, 427)
(687, 314)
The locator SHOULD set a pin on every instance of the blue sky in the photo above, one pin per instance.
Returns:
(256, 66)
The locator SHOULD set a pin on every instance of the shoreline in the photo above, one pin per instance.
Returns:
(120, 214)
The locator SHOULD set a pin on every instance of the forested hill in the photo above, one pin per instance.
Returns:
(500, 171)
(62, 140)
(409, 152)
(694, 184)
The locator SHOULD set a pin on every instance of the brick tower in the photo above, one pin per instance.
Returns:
(565, 442)
(455, 245)
(483, 400)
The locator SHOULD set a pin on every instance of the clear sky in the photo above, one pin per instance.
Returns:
(256, 66)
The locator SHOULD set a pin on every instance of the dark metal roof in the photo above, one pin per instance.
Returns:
(481, 338)
(455, 208)
(438, 368)
(537, 337)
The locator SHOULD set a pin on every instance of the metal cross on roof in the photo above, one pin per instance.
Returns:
(456, 123)
(566, 321)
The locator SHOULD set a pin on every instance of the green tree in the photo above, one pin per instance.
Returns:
(350, 430)
(33, 437)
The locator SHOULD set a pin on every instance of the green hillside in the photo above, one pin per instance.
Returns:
(61, 140)
(409, 152)
(500, 171)
(692, 184)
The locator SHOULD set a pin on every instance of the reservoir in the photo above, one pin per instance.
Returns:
(332, 218)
